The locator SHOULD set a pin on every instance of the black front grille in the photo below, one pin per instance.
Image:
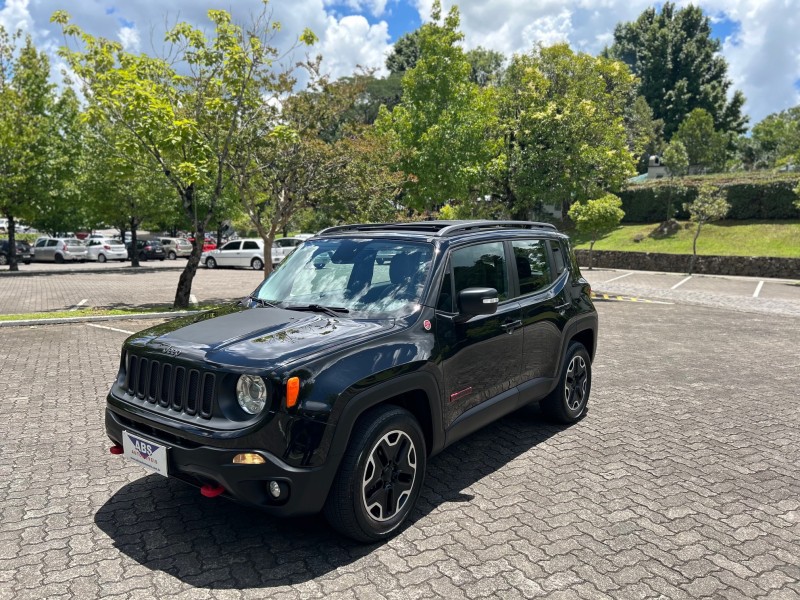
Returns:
(187, 391)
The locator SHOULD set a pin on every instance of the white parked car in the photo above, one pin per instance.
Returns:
(103, 249)
(283, 247)
(237, 253)
(175, 247)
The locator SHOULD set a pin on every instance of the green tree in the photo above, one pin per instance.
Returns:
(185, 116)
(486, 66)
(706, 148)
(679, 66)
(595, 218)
(562, 118)
(709, 205)
(444, 130)
(36, 140)
(405, 54)
(645, 134)
(778, 137)
(677, 162)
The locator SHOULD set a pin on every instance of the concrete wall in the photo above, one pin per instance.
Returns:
(752, 266)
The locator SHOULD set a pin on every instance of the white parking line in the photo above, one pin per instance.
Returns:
(758, 289)
(620, 277)
(192, 299)
(79, 304)
(680, 283)
(111, 328)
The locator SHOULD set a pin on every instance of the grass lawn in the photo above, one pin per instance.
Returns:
(725, 238)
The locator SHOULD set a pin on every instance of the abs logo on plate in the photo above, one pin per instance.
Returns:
(144, 449)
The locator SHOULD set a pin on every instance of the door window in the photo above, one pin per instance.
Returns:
(51, 243)
(231, 246)
(482, 265)
(533, 269)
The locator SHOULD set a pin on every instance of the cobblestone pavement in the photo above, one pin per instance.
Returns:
(681, 482)
(151, 287)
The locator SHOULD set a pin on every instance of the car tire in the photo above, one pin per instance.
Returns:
(101, 258)
(211, 263)
(27, 262)
(59, 259)
(172, 256)
(386, 436)
(257, 264)
(3, 260)
(569, 401)
(142, 257)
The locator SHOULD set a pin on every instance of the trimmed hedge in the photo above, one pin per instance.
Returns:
(752, 196)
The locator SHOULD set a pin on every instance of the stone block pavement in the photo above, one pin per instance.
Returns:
(681, 482)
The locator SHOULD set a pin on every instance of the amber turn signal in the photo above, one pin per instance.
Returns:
(248, 458)
(292, 391)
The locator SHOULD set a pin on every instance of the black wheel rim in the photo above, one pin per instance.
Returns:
(389, 476)
(575, 383)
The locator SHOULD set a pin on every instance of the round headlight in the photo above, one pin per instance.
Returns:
(251, 392)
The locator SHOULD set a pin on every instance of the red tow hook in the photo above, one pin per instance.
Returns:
(211, 491)
(116, 449)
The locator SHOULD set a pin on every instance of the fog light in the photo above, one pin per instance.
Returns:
(248, 458)
(274, 489)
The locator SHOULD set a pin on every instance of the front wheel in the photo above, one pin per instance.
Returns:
(101, 258)
(380, 475)
(257, 264)
(211, 263)
(568, 402)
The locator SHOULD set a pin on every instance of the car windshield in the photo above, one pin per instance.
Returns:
(379, 278)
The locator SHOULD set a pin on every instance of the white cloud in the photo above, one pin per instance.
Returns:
(129, 36)
(15, 15)
(352, 41)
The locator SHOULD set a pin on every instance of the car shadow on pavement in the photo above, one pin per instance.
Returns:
(167, 525)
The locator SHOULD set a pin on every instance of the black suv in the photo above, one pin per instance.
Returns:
(147, 250)
(330, 386)
(23, 253)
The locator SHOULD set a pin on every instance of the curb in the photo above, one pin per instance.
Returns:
(67, 320)
(125, 269)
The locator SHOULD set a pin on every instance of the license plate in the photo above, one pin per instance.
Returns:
(145, 452)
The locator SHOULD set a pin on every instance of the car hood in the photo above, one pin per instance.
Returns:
(253, 338)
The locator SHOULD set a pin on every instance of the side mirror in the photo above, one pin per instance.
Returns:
(477, 301)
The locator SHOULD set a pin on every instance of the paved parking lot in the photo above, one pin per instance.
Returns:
(682, 482)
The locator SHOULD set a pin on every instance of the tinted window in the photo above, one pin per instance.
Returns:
(558, 257)
(533, 269)
(51, 243)
(231, 246)
(483, 265)
(445, 301)
(250, 246)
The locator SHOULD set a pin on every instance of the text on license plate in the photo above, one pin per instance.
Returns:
(145, 452)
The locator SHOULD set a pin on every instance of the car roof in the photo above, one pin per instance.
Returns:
(441, 229)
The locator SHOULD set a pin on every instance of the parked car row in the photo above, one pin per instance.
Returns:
(249, 252)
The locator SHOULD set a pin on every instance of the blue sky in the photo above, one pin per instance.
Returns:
(759, 37)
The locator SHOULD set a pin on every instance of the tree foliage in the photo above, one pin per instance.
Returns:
(596, 218)
(486, 66)
(706, 148)
(676, 158)
(562, 116)
(405, 54)
(777, 137)
(709, 205)
(444, 130)
(184, 116)
(645, 133)
(679, 66)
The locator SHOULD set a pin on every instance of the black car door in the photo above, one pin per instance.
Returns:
(480, 357)
(544, 304)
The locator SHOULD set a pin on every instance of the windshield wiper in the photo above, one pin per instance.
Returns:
(262, 302)
(333, 311)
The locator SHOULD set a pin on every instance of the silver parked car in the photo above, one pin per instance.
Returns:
(236, 253)
(103, 249)
(175, 247)
(60, 250)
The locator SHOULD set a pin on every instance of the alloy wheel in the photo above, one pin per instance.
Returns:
(575, 383)
(389, 475)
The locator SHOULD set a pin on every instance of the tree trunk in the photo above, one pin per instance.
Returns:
(134, 250)
(268, 240)
(183, 294)
(12, 244)
(591, 259)
(219, 235)
(694, 247)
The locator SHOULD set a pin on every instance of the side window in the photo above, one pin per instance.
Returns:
(482, 265)
(533, 268)
(251, 245)
(51, 243)
(40, 244)
(559, 259)
(231, 246)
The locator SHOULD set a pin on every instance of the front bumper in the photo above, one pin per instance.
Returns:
(198, 465)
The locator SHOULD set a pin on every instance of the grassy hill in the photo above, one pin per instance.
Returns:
(725, 238)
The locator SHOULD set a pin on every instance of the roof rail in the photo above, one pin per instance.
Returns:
(439, 228)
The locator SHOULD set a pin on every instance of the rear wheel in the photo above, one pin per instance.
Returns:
(257, 264)
(172, 255)
(568, 402)
(211, 263)
(101, 258)
(380, 475)
(59, 259)
(3, 260)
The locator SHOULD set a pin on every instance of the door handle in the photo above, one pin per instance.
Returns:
(564, 306)
(510, 326)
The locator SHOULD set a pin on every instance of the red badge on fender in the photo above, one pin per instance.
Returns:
(427, 325)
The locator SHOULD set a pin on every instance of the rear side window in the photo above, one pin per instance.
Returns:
(250, 246)
(533, 267)
(559, 259)
(482, 265)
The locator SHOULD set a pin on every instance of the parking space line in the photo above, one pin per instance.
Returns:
(680, 283)
(79, 304)
(620, 277)
(111, 328)
(758, 289)
(612, 298)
